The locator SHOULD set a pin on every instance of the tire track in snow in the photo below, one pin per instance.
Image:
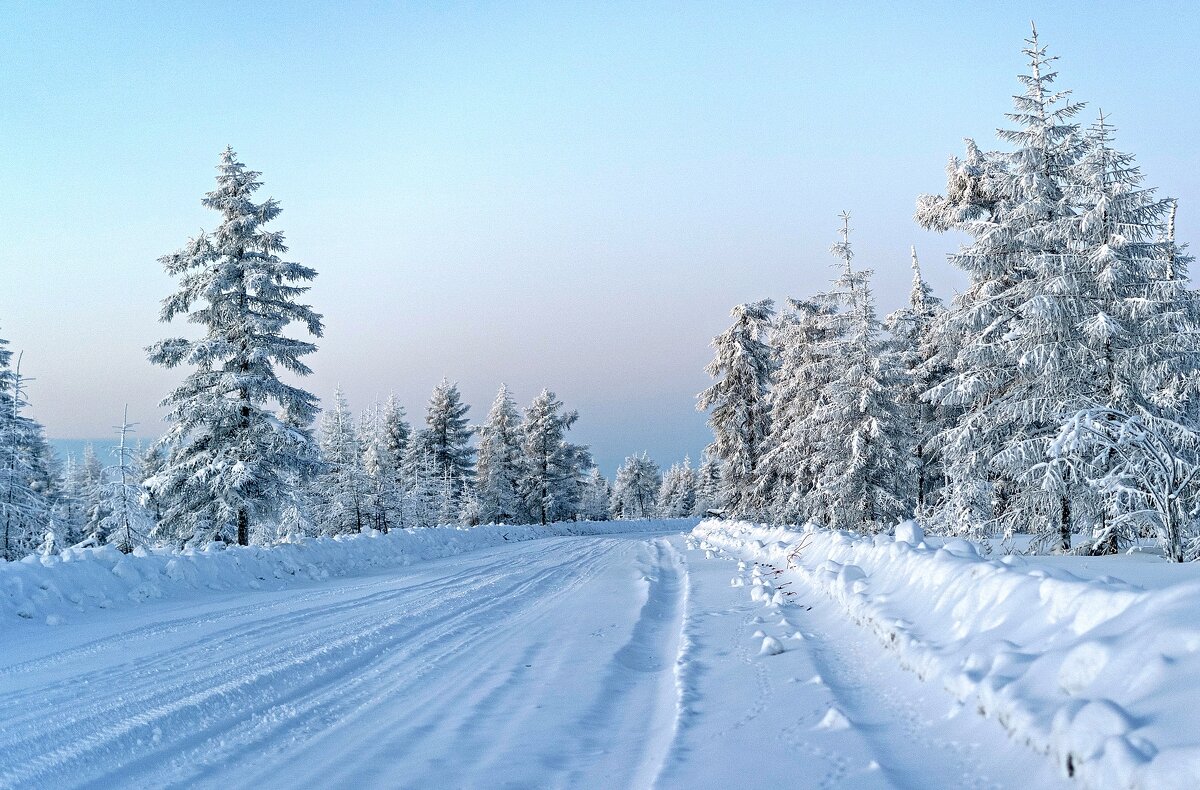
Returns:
(132, 717)
(626, 702)
(235, 643)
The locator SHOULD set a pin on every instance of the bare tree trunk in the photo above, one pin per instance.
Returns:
(1064, 525)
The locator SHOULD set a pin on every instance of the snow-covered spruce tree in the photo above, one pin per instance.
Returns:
(635, 492)
(499, 467)
(552, 468)
(151, 464)
(915, 352)
(68, 511)
(864, 453)
(677, 494)
(231, 460)
(394, 436)
(381, 464)
(1012, 391)
(119, 517)
(708, 486)
(24, 507)
(1137, 340)
(93, 476)
(424, 490)
(738, 402)
(597, 497)
(446, 437)
(342, 490)
(788, 471)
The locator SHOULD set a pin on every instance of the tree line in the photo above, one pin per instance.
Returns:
(240, 461)
(1056, 395)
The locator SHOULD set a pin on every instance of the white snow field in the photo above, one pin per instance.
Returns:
(630, 656)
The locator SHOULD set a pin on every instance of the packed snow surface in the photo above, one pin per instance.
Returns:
(622, 657)
(57, 587)
(1094, 671)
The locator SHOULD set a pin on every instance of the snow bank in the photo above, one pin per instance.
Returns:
(50, 589)
(1097, 673)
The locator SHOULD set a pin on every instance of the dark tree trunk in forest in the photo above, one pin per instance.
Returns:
(1064, 525)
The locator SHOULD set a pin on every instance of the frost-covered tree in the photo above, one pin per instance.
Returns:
(915, 352)
(119, 516)
(424, 494)
(677, 494)
(708, 486)
(1010, 389)
(231, 459)
(788, 470)
(446, 437)
(394, 435)
(499, 467)
(738, 401)
(342, 491)
(635, 492)
(1149, 466)
(69, 511)
(864, 450)
(597, 497)
(382, 459)
(1132, 332)
(552, 468)
(24, 507)
(151, 464)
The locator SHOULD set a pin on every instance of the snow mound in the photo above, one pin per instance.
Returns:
(833, 719)
(55, 588)
(910, 532)
(770, 646)
(1092, 672)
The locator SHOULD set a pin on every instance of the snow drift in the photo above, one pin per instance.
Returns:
(1096, 673)
(52, 588)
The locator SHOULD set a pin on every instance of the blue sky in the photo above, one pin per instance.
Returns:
(569, 195)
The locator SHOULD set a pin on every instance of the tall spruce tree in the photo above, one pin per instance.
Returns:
(864, 452)
(1013, 206)
(738, 402)
(382, 458)
(553, 468)
(499, 468)
(231, 459)
(708, 486)
(342, 491)
(119, 517)
(915, 353)
(1124, 292)
(394, 435)
(446, 437)
(24, 506)
(788, 470)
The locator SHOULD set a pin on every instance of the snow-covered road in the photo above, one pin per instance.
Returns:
(608, 662)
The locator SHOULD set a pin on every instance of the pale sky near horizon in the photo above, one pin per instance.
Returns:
(570, 195)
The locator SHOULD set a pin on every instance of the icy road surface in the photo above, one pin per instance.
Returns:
(600, 662)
